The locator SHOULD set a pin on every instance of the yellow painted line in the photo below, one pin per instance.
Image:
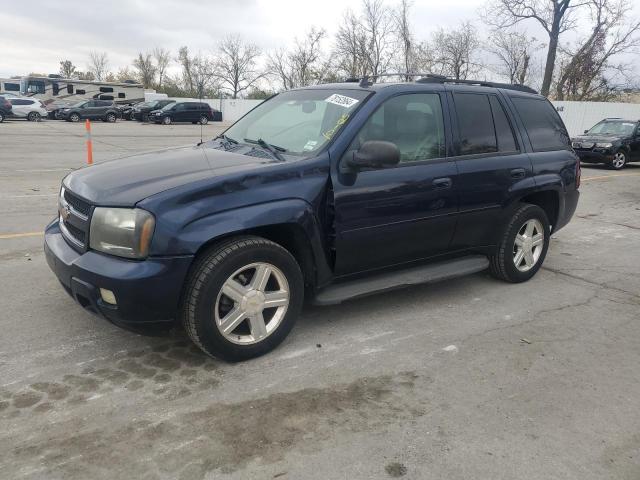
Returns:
(5, 236)
(586, 179)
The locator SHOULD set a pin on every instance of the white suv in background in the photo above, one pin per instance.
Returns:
(29, 108)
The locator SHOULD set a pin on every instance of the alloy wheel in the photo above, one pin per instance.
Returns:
(252, 303)
(528, 245)
(619, 159)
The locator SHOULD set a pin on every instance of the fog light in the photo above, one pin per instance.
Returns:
(108, 296)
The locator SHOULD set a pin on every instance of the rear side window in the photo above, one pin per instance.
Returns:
(475, 123)
(504, 132)
(542, 123)
(21, 102)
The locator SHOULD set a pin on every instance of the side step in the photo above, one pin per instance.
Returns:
(435, 272)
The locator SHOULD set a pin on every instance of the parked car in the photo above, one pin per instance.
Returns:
(142, 111)
(29, 108)
(54, 108)
(5, 108)
(328, 193)
(194, 112)
(104, 110)
(125, 111)
(612, 141)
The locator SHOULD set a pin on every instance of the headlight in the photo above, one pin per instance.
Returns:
(604, 145)
(125, 232)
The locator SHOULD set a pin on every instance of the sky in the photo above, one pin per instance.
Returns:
(36, 35)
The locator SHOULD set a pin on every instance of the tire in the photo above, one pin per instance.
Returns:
(619, 160)
(1, 117)
(74, 117)
(503, 262)
(204, 120)
(238, 260)
(166, 120)
(111, 117)
(34, 117)
(132, 116)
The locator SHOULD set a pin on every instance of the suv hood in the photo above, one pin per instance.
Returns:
(126, 181)
(597, 138)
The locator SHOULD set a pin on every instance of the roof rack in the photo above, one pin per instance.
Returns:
(481, 83)
(434, 78)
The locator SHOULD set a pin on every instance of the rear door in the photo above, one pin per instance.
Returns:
(491, 161)
(395, 215)
(635, 144)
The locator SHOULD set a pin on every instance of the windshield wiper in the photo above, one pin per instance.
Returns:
(273, 149)
(228, 140)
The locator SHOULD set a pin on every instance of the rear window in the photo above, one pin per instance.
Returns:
(477, 134)
(542, 123)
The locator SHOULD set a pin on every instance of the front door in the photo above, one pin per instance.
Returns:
(404, 213)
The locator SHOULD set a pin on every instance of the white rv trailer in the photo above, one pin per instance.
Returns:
(51, 89)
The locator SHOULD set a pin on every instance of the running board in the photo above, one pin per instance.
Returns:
(435, 272)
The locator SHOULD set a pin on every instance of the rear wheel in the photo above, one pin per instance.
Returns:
(1, 117)
(204, 120)
(166, 120)
(34, 117)
(74, 117)
(619, 160)
(242, 298)
(523, 246)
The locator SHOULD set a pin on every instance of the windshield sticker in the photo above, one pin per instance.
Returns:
(341, 100)
(310, 145)
(341, 121)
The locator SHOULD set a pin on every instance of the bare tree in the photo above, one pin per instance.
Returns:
(145, 69)
(553, 15)
(185, 61)
(98, 64)
(513, 50)
(124, 74)
(162, 58)
(350, 43)
(584, 75)
(455, 51)
(405, 36)
(302, 65)
(377, 23)
(67, 69)
(235, 65)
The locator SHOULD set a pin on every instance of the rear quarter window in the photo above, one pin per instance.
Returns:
(542, 123)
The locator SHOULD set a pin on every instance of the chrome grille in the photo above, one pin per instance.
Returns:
(74, 221)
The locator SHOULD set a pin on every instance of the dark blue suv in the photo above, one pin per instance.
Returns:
(323, 193)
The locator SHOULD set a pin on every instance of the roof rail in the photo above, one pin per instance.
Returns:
(481, 83)
(366, 80)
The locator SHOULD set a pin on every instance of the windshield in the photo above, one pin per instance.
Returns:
(79, 104)
(299, 121)
(613, 128)
(169, 106)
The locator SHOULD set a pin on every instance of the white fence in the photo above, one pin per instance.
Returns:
(231, 109)
(579, 116)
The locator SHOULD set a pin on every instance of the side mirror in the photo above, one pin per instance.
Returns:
(375, 154)
(586, 131)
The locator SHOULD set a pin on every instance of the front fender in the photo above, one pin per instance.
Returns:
(192, 236)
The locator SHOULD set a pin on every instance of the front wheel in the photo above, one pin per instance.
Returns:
(1, 117)
(204, 120)
(111, 117)
(34, 117)
(619, 160)
(166, 120)
(242, 298)
(523, 246)
(74, 117)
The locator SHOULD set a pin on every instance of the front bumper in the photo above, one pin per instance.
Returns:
(593, 156)
(146, 291)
